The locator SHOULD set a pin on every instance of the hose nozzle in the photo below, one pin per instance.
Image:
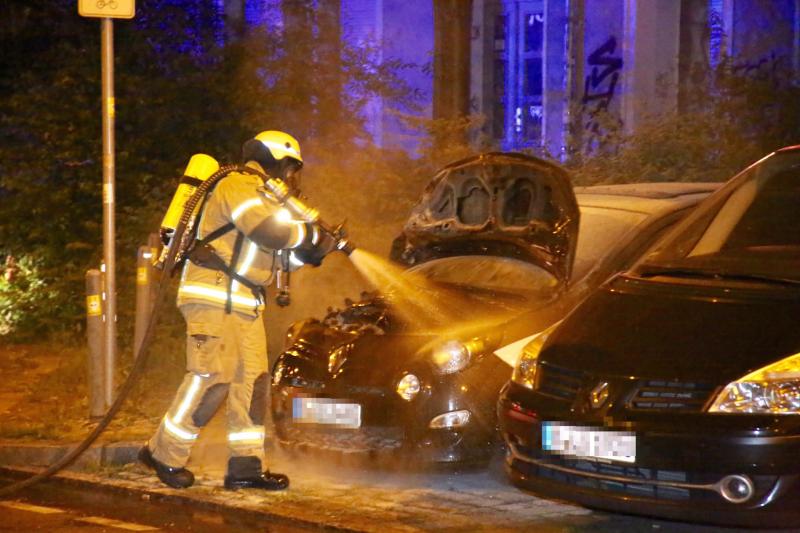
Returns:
(339, 233)
(345, 245)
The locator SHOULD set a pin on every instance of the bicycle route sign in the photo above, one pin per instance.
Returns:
(118, 9)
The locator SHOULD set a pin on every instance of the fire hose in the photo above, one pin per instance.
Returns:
(176, 253)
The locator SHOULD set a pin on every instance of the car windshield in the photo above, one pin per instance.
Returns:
(748, 230)
(491, 273)
(600, 229)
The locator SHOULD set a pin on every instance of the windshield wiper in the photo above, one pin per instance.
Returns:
(677, 271)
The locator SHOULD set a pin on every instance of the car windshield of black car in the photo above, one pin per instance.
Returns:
(752, 230)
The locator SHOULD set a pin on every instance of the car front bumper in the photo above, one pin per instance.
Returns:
(682, 464)
(391, 425)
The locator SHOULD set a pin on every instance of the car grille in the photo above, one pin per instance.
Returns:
(633, 485)
(562, 383)
(303, 383)
(658, 395)
(364, 439)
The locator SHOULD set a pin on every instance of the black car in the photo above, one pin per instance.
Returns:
(489, 248)
(674, 390)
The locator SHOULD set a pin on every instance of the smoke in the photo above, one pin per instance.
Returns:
(389, 467)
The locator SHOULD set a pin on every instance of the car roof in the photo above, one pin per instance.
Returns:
(646, 198)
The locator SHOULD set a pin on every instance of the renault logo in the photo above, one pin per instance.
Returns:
(599, 395)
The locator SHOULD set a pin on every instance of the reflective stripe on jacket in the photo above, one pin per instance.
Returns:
(239, 199)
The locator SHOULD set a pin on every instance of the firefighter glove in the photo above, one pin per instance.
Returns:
(319, 244)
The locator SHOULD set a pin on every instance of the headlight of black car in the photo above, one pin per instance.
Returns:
(525, 370)
(338, 356)
(454, 356)
(291, 335)
(277, 374)
(773, 389)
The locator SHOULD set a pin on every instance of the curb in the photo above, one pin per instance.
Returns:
(19, 460)
(319, 500)
(151, 491)
(16, 454)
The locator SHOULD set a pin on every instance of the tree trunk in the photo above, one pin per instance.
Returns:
(330, 60)
(693, 67)
(451, 60)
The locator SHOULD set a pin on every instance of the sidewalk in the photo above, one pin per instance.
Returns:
(321, 495)
(327, 492)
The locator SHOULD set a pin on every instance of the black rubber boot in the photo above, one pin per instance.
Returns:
(178, 478)
(245, 473)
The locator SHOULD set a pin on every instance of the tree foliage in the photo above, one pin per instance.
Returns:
(734, 120)
(188, 82)
(185, 83)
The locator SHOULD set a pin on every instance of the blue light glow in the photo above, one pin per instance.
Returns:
(716, 29)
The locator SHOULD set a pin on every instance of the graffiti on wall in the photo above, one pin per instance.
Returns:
(599, 89)
(771, 68)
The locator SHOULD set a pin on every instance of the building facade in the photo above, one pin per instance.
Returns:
(546, 75)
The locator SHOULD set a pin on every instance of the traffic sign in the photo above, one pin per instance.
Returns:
(118, 9)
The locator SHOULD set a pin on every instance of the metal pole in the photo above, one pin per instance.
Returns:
(154, 243)
(144, 270)
(94, 337)
(109, 237)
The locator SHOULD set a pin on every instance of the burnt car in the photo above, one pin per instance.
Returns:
(489, 249)
(674, 389)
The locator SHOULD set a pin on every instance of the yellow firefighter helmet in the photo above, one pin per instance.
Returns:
(280, 144)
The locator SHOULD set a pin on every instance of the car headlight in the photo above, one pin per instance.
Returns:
(277, 374)
(338, 357)
(525, 370)
(291, 335)
(773, 389)
(454, 356)
(408, 387)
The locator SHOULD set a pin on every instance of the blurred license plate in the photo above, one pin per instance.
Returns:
(588, 442)
(326, 411)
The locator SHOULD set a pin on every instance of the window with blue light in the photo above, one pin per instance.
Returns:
(716, 32)
(522, 59)
(530, 111)
(534, 32)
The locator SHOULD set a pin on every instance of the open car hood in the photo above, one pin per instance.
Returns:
(505, 204)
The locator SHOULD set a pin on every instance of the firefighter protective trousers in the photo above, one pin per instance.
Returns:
(225, 357)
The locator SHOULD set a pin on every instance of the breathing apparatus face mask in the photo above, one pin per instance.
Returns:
(286, 169)
(290, 171)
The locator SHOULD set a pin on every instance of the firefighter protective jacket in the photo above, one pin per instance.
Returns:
(248, 248)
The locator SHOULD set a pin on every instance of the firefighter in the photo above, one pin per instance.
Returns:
(243, 226)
